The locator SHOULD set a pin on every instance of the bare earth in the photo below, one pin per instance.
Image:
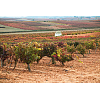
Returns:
(45, 72)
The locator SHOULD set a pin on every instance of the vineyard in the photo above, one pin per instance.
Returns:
(81, 24)
(54, 57)
(24, 26)
(73, 57)
(50, 37)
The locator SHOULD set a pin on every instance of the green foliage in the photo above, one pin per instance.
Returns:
(65, 57)
(81, 49)
(15, 52)
(76, 44)
(3, 53)
(33, 51)
(45, 49)
(90, 45)
(99, 45)
(28, 53)
(48, 49)
(1, 50)
(71, 49)
(62, 56)
(21, 51)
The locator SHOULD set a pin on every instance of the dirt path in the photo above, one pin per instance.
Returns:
(72, 72)
(46, 31)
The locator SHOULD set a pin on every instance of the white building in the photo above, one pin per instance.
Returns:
(58, 33)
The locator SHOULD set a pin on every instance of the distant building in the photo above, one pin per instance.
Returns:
(58, 33)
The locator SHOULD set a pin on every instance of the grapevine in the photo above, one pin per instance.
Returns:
(33, 51)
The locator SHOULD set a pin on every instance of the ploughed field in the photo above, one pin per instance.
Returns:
(46, 72)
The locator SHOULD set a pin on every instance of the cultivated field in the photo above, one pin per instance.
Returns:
(49, 25)
(67, 36)
(73, 57)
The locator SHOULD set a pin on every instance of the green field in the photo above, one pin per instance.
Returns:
(8, 29)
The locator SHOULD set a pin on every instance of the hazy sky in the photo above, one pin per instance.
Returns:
(49, 8)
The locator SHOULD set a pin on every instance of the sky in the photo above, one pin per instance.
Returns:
(15, 8)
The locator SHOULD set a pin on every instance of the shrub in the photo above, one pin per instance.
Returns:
(81, 49)
(14, 54)
(60, 44)
(47, 49)
(27, 53)
(71, 49)
(65, 57)
(76, 44)
(1, 50)
(70, 43)
(3, 54)
(62, 56)
(99, 45)
(90, 45)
